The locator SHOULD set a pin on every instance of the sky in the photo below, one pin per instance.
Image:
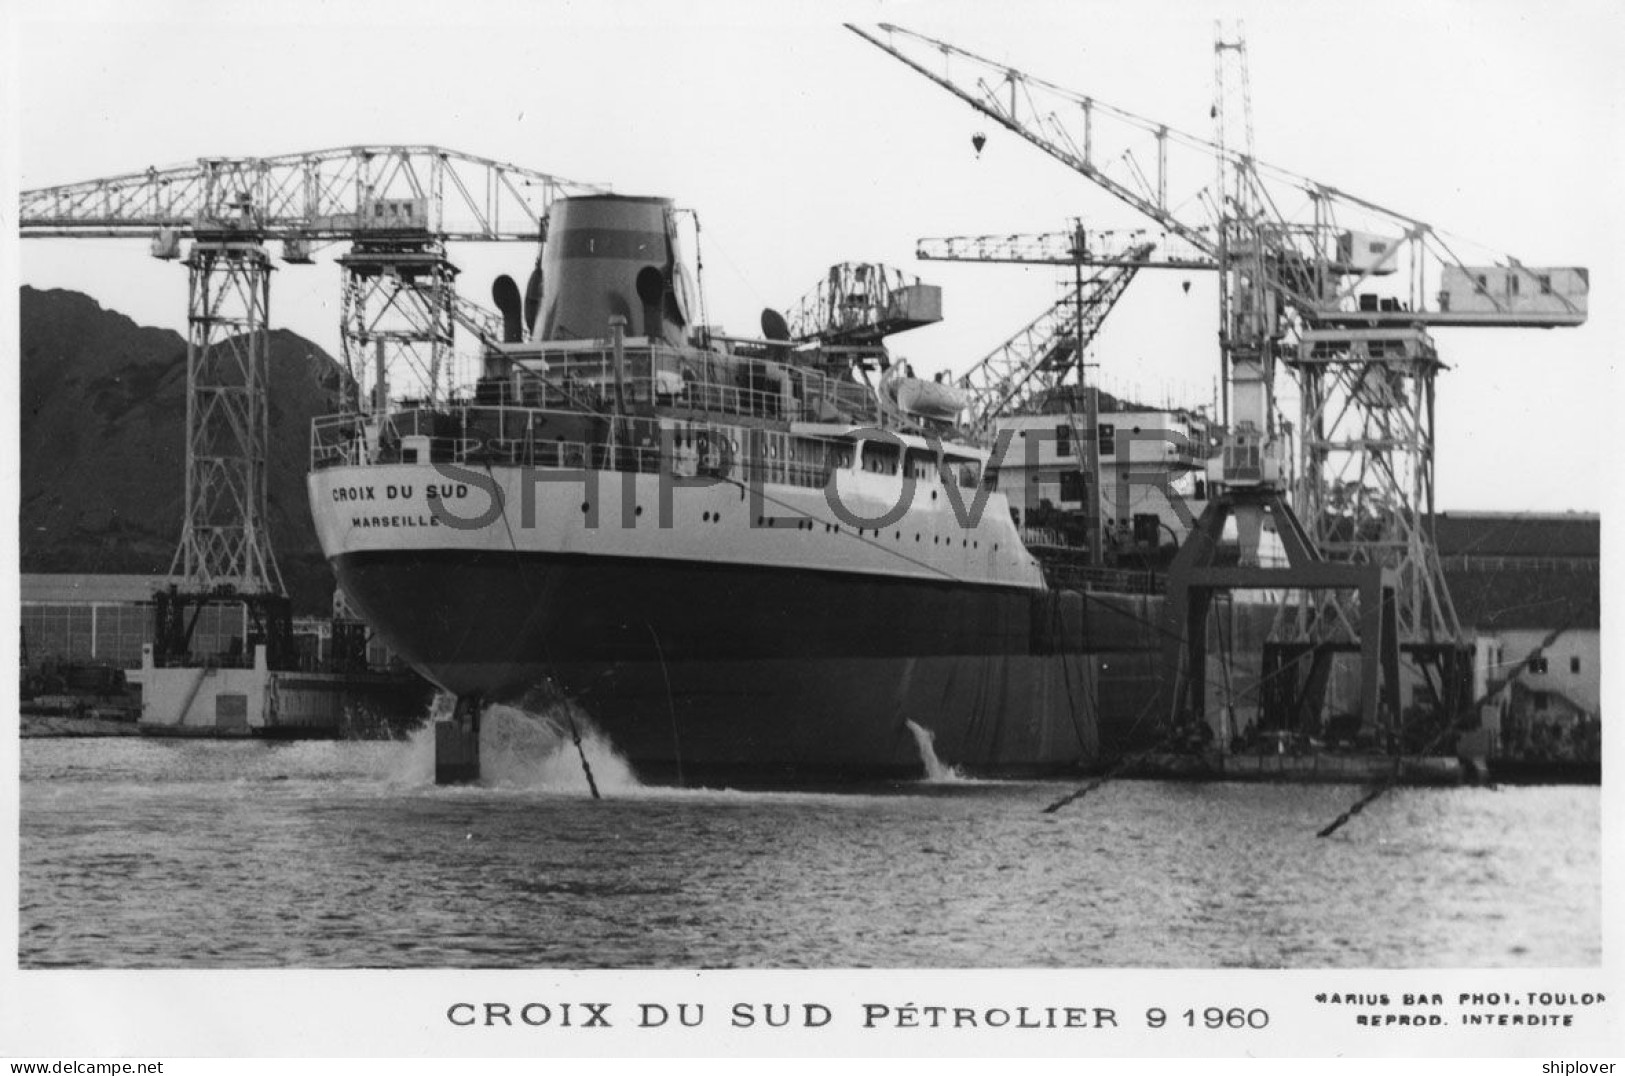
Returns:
(799, 146)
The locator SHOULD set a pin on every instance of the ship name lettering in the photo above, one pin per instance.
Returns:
(355, 493)
(432, 491)
(458, 475)
(394, 521)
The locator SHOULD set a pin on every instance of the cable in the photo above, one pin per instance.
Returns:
(1489, 693)
(950, 576)
(671, 707)
(1087, 595)
(519, 637)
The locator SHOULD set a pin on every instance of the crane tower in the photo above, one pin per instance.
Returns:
(398, 207)
(1340, 290)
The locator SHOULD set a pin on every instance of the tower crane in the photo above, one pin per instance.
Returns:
(1040, 355)
(1339, 289)
(1037, 359)
(397, 207)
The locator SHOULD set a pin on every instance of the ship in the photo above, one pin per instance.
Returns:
(746, 559)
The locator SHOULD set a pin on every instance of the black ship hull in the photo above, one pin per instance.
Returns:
(703, 670)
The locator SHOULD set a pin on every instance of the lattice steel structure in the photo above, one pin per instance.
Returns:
(398, 317)
(1041, 354)
(395, 203)
(861, 303)
(1079, 246)
(225, 538)
(1298, 258)
(1366, 448)
(398, 205)
(319, 196)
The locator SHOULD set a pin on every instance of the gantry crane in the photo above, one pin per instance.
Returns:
(397, 207)
(1343, 292)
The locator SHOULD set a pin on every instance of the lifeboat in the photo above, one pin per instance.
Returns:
(928, 399)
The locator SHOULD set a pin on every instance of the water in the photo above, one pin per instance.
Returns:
(158, 854)
(936, 770)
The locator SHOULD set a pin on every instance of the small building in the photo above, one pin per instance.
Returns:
(1514, 578)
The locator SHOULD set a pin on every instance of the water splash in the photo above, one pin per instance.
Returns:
(525, 745)
(936, 770)
(521, 747)
(412, 762)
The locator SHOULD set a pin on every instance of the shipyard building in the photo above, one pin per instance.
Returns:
(1514, 579)
(72, 619)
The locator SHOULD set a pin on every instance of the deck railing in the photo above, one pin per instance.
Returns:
(680, 380)
(719, 452)
(1062, 576)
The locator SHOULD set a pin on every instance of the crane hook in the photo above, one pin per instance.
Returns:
(977, 141)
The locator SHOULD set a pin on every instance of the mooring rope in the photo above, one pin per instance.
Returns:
(519, 562)
(1493, 690)
(1122, 764)
(671, 706)
(586, 767)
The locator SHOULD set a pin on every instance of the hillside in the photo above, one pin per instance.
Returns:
(103, 414)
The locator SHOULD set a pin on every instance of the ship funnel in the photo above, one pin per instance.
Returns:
(608, 255)
(774, 327)
(505, 293)
(533, 299)
(651, 285)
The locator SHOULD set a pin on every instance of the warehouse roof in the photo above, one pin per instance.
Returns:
(63, 588)
(1518, 534)
(1508, 598)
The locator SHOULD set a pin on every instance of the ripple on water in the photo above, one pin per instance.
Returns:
(138, 853)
